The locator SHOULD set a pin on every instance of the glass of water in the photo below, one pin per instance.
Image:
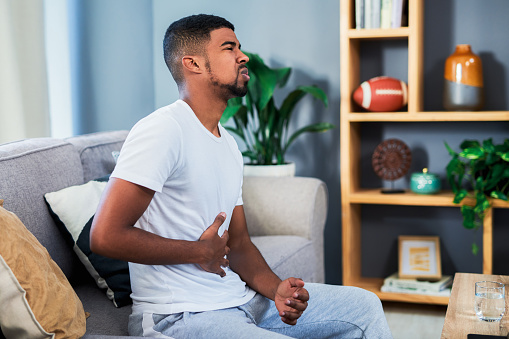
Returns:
(489, 300)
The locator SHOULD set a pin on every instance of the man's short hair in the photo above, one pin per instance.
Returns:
(188, 36)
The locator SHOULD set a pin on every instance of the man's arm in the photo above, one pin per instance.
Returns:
(113, 235)
(246, 260)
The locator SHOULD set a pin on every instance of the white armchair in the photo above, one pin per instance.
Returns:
(286, 219)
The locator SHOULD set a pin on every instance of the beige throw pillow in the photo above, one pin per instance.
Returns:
(36, 299)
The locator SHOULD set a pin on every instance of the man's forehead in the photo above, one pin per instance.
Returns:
(221, 35)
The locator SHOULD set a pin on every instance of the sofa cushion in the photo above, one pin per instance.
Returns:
(36, 299)
(29, 169)
(105, 318)
(95, 152)
(73, 209)
(288, 255)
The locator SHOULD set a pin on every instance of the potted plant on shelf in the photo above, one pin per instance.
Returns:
(260, 124)
(481, 172)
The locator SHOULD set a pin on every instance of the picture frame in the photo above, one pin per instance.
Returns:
(419, 257)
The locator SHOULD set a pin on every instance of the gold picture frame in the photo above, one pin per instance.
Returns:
(419, 257)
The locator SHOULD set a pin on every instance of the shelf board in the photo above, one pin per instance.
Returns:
(441, 199)
(374, 285)
(428, 116)
(376, 34)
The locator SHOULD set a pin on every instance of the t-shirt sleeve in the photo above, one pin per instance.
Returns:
(151, 153)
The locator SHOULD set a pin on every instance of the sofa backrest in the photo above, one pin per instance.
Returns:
(95, 152)
(33, 167)
(28, 170)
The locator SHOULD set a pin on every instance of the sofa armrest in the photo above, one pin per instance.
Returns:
(288, 206)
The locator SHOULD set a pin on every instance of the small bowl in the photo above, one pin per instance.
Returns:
(425, 183)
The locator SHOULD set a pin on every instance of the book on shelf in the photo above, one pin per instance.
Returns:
(380, 13)
(444, 293)
(385, 14)
(368, 14)
(393, 281)
(375, 13)
(359, 14)
(399, 16)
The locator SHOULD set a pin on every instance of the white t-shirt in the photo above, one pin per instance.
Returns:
(195, 176)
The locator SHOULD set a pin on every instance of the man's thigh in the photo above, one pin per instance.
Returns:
(332, 312)
(227, 323)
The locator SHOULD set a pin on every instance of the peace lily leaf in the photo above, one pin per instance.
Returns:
(240, 117)
(318, 127)
(259, 122)
(505, 156)
(250, 155)
(229, 112)
(294, 97)
(267, 79)
(236, 131)
(316, 92)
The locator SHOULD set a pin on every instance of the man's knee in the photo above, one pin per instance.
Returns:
(371, 299)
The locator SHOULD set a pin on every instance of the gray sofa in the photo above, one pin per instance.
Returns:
(286, 216)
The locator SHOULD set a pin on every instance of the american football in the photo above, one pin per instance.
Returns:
(381, 94)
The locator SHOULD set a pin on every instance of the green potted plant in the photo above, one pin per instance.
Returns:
(259, 123)
(481, 172)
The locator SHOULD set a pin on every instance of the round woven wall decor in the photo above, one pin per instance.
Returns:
(391, 159)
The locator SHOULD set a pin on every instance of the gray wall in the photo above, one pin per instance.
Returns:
(125, 78)
(111, 63)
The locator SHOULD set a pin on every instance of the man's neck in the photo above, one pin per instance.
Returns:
(208, 109)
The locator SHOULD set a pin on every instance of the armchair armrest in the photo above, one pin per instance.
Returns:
(288, 206)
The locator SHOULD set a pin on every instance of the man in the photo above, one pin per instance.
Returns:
(194, 271)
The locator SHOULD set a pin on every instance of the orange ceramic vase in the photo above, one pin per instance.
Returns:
(463, 81)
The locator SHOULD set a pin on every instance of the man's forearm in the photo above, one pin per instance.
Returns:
(247, 261)
(113, 234)
(139, 246)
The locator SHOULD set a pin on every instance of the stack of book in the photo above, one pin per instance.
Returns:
(380, 13)
(437, 288)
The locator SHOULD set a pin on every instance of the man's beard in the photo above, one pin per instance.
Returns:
(231, 90)
(235, 89)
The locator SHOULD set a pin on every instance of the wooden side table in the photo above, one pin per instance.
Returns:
(460, 319)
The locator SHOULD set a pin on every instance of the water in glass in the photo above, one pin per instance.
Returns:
(489, 300)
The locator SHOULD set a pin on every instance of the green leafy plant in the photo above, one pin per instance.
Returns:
(481, 172)
(261, 125)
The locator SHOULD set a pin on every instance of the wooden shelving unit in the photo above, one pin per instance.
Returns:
(352, 195)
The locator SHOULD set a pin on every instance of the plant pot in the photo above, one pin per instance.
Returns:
(286, 170)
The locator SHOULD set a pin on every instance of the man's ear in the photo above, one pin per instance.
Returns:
(192, 64)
